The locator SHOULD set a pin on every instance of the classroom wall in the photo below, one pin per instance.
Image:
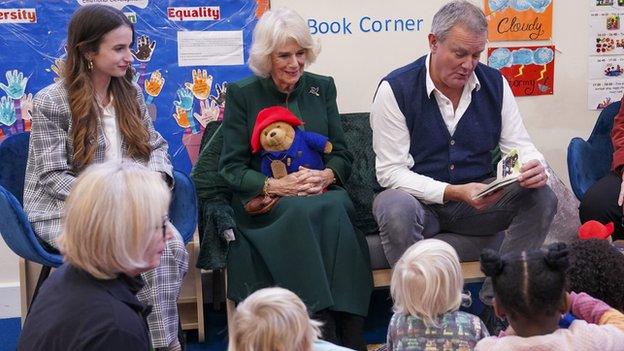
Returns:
(358, 60)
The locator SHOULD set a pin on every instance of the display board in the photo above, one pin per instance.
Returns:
(185, 52)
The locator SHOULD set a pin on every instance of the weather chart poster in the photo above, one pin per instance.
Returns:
(519, 19)
(185, 53)
(530, 70)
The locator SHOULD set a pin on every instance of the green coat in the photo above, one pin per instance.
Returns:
(305, 244)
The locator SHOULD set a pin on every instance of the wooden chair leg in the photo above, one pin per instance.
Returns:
(43, 275)
(230, 308)
(191, 300)
(24, 295)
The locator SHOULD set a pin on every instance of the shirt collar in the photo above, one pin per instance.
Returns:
(123, 288)
(472, 83)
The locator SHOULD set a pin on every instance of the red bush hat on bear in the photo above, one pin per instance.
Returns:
(267, 116)
(595, 230)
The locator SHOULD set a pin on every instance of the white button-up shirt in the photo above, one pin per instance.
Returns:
(391, 138)
(111, 133)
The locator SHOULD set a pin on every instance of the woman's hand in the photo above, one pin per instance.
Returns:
(286, 186)
(301, 183)
(315, 181)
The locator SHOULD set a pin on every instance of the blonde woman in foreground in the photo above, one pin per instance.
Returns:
(426, 287)
(115, 228)
(276, 319)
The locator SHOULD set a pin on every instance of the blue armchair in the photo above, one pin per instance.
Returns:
(590, 160)
(15, 227)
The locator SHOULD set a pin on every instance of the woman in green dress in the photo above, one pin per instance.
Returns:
(306, 242)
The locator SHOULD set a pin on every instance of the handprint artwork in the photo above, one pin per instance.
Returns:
(26, 104)
(185, 99)
(185, 103)
(209, 112)
(16, 84)
(202, 83)
(220, 97)
(153, 86)
(7, 111)
(181, 117)
(145, 49)
(57, 68)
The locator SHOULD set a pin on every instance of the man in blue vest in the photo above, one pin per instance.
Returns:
(435, 124)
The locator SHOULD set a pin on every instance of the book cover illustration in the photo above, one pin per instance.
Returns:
(507, 172)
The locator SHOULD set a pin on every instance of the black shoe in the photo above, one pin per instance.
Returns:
(494, 324)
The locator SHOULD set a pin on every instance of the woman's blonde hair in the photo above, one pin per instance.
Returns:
(110, 218)
(427, 281)
(86, 30)
(273, 319)
(274, 29)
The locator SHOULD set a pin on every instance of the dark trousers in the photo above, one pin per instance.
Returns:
(600, 203)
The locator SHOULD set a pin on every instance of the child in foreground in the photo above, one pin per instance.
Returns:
(276, 319)
(529, 291)
(426, 287)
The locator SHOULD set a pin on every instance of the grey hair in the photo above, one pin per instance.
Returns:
(273, 30)
(458, 12)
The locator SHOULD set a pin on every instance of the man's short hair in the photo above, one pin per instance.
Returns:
(458, 12)
(427, 281)
(273, 319)
(110, 218)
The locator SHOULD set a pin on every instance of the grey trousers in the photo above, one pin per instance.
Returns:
(525, 214)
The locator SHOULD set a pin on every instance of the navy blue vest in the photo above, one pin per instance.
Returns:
(466, 155)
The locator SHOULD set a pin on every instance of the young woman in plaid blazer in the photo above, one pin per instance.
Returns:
(94, 114)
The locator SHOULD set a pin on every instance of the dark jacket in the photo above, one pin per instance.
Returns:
(75, 311)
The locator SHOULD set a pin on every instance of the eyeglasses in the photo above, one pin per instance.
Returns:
(164, 226)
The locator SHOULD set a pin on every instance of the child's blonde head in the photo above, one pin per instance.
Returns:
(273, 319)
(427, 281)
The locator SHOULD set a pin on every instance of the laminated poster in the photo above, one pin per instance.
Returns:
(518, 19)
(530, 70)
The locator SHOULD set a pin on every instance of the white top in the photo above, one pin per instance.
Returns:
(111, 133)
(391, 138)
(580, 336)
(322, 345)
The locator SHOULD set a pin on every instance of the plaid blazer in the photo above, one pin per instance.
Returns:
(49, 174)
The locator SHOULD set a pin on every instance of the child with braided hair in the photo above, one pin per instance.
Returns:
(529, 291)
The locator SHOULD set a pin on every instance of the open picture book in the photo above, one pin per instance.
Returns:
(507, 172)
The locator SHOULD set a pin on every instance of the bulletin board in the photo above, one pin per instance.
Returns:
(185, 52)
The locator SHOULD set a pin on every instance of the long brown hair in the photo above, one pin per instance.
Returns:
(86, 30)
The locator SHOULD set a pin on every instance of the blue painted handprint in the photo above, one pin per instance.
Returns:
(7, 111)
(186, 99)
(16, 84)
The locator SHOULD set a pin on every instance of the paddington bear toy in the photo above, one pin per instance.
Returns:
(284, 146)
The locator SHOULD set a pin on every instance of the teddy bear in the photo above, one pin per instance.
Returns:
(284, 146)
